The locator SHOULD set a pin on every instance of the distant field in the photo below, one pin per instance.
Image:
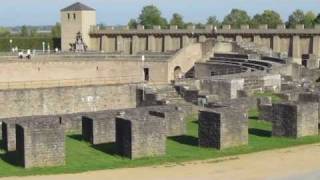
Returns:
(82, 157)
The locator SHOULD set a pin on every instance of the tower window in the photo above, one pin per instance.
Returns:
(68, 15)
(74, 15)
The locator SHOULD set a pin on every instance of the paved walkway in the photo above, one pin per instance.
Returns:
(298, 163)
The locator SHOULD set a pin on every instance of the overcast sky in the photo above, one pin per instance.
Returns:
(118, 12)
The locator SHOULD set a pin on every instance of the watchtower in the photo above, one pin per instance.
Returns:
(74, 19)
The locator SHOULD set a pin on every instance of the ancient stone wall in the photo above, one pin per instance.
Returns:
(66, 100)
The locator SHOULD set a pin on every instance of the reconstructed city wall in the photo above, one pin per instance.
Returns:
(64, 100)
(55, 68)
(294, 42)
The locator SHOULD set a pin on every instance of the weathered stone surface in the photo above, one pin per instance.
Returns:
(266, 112)
(40, 143)
(222, 128)
(138, 137)
(174, 119)
(243, 104)
(9, 134)
(311, 97)
(99, 128)
(263, 101)
(295, 119)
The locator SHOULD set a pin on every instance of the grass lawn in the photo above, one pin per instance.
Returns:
(81, 156)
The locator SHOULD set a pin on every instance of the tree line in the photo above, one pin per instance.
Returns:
(151, 15)
(28, 31)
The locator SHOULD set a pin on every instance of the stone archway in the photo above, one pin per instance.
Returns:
(177, 74)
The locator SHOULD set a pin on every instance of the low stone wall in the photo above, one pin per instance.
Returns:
(66, 100)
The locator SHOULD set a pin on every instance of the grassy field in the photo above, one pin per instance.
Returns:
(81, 156)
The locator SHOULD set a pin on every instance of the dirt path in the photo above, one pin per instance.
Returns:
(293, 163)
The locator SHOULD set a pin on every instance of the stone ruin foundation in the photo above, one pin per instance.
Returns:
(222, 128)
(40, 143)
(9, 134)
(138, 137)
(99, 128)
(264, 105)
(295, 119)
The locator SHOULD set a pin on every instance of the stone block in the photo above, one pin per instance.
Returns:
(138, 137)
(9, 134)
(295, 119)
(222, 128)
(311, 97)
(174, 119)
(40, 143)
(263, 101)
(266, 112)
(99, 127)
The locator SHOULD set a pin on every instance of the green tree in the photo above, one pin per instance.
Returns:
(33, 32)
(151, 16)
(236, 18)
(4, 32)
(133, 24)
(269, 17)
(177, 20)
(297, 17)
(24, 31)
(309, 19)
(56, 31)
(317, 19)
(212, 20)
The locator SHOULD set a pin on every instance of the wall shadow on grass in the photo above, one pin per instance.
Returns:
(11, 158)
(108, 148)
(260, 132)
(77, 137)
(195, 122)
(187, 140)
(254, 117)
(1, 144)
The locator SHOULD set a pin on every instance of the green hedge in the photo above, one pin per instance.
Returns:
(28, 42)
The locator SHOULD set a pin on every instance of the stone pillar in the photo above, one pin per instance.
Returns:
(49, 150)
(238, 38)
(301, 121)
(140, 136)
(257, 39)
(185, 41)
(167, 43)
(222, 128)
(202, 38)
(276, 44)
(104, 43)
(119, 44)
(151, 43)
(296, 49)
(135, 44)
(316, 45)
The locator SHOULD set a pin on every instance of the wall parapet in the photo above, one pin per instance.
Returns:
(192, 30)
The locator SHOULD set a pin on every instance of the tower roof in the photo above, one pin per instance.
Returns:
(78, 7)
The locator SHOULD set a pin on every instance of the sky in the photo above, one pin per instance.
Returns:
(118, 12)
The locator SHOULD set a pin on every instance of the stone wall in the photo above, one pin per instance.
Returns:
(293, 42)
(66, 100)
